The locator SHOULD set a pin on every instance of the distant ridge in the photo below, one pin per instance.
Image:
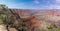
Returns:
(22, 12)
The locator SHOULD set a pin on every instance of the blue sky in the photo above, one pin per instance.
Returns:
(32, 4)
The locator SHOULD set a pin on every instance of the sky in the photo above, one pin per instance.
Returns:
(32, 4)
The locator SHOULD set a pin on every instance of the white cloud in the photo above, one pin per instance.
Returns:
(57, 1)
(51, 7)
(36, 1)
(22, 5)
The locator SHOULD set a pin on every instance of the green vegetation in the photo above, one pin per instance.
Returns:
(6, 19)
(53, 28)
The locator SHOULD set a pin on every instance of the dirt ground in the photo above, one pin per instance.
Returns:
(3, 28)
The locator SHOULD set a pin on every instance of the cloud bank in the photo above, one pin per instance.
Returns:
(32, 4)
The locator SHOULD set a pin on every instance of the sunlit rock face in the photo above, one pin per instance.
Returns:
(35, 24)
(2, 28)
